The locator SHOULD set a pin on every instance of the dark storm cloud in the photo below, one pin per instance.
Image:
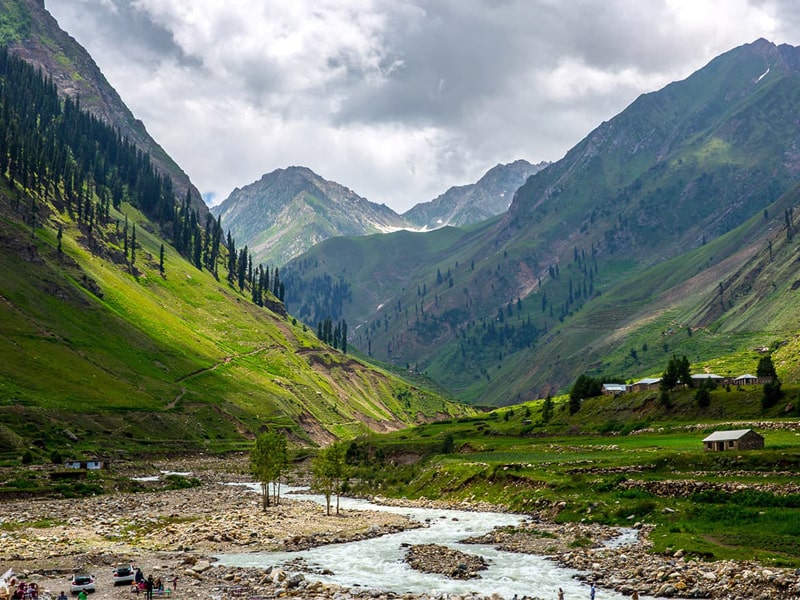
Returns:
(122, 29)
(450, 56)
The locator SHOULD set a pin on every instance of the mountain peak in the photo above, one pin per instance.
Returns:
(288, 210)
(461, 205)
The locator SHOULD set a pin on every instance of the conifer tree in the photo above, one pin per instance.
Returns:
(133, 245)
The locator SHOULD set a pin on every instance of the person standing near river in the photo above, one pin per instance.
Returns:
(591, 593)
(560, 594)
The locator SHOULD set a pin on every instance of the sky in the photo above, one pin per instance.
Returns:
(396, 99)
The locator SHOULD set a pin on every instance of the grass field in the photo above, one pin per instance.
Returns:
(711, 505)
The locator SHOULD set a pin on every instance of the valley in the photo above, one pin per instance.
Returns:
(440, 362)
(607, 261)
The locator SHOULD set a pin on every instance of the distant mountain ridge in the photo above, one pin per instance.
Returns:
(466, 204)
(289, 210)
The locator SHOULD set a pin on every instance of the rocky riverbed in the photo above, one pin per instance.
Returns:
(176, 533)
(631, 567)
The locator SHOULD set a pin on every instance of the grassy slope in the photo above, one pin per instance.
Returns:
(649, 312)
(589, 460)
(174, 362)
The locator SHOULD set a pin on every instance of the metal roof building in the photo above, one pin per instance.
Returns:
(737, 439)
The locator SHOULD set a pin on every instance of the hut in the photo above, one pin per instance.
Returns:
(648, 383)
(701, 378)
(614, 389)
(745, 379)
(738, 439)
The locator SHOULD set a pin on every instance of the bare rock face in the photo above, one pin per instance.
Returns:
(433, 558)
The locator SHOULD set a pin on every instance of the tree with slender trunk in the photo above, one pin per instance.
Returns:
(330, 472)
(269, 459)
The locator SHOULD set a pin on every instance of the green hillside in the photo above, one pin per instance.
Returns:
(112, 339)
(617, 461)
(606, 259)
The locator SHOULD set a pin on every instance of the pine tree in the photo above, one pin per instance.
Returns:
(133, 246)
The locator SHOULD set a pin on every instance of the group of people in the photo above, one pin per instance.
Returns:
(592, 591)
(26, 591)
(151, 586)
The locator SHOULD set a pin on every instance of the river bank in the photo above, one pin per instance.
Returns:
(177, 533)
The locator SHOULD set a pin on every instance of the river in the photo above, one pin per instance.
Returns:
(377, 563)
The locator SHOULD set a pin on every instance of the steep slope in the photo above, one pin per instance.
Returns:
(33, 34)
(680, 165)
(673, 172)
(466, 204)
(289, 210)
(112, 340)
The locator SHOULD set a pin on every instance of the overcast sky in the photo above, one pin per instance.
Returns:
(396, 99)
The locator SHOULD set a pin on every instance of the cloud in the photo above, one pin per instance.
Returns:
(396, 99)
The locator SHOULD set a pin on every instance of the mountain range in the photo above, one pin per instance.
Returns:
(467, 204)
(669, 229)
(624, 244)
(288, 211)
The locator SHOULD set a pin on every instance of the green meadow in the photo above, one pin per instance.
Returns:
(590, 467)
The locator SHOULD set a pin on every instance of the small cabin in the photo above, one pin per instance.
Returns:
(699, 379)
(648, 383)
(739, 439)
(614, 389)
(745, 379)
(90, 465)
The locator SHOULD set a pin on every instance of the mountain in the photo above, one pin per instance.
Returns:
(585, 271)
(289, 210)
(126, 326)
(32, 33)
(466, 204)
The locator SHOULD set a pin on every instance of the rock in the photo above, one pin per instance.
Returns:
(201, 566)
(667, 590)
(294, 580)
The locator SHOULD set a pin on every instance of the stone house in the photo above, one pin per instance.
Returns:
(91, 464)
(648, 383)
(700, 378)
(738, 439)
(614, 389)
